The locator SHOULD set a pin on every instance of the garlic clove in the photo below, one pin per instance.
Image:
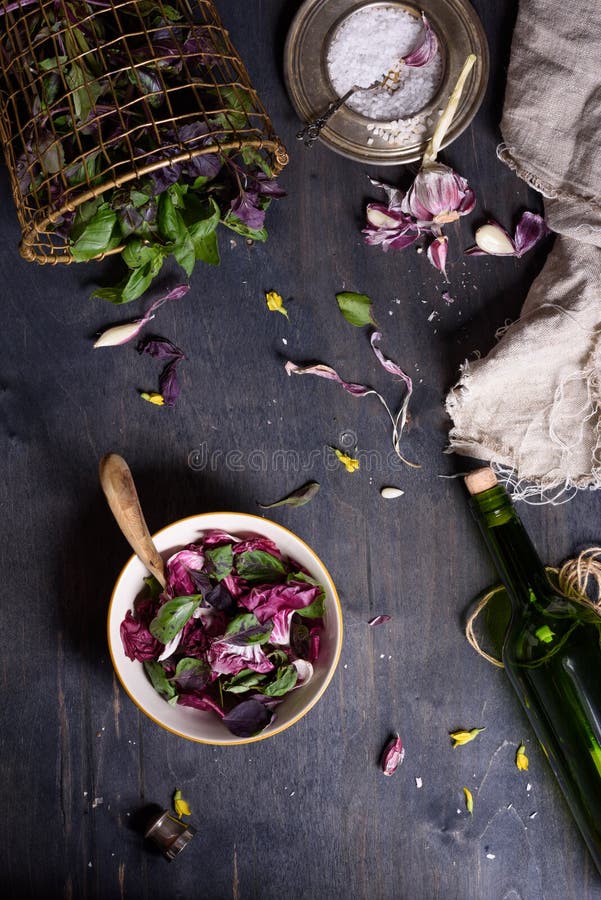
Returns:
(391, 493)
(493, 239)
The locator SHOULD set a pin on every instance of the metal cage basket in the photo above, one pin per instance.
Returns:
(95, 96)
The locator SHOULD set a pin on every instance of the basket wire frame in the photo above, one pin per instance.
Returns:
(69, 135)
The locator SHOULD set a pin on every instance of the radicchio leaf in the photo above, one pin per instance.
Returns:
(200, 701)
(138, 642)
(179, 569)
(226, 658)
(248, 718)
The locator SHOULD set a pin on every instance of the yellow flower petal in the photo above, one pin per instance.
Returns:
(349, 463)
(469, 801)
(464, 737)
(275, 303)
(153, 397)
(180, 805)
(521, 760)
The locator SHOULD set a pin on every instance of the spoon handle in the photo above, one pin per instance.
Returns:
(312, 130)
(120, 491)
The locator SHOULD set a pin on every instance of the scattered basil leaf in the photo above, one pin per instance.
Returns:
(172, 616)
(356, 308)
(297, 498)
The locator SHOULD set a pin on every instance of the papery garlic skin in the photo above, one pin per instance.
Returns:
(493, 239)
(437, 196)
(393, 755)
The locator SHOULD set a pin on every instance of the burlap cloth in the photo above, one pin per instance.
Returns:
(533, 405)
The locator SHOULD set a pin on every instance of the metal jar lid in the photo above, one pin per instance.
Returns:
(170, 834)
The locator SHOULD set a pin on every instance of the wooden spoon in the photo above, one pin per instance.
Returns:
(120, 491)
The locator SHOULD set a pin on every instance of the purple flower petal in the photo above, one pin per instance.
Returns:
(529, 230)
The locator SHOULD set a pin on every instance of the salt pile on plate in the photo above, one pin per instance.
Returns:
(370, 42)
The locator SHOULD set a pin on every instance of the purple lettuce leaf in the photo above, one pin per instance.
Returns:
(200, 701)
(226, 658)
(180, 567)
(138, 642)
(268, 600)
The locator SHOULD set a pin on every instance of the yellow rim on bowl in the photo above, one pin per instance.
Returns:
(259, 737)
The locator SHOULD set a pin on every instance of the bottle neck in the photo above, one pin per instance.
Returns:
(516, 560)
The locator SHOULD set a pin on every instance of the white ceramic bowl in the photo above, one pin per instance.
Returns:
(197, 725)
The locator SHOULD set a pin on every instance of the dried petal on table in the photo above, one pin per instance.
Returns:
(464, 737)
(297, 498)
(153, 397)
(393, 755)
(521, 760)
(469, 801)
(275, 303)
(180, 805)
(379, 620)
(350, 463)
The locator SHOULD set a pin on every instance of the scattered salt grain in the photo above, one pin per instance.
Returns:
(528, 787)
(490, 856)
(368, 43)
(97, 801)
(533, 815)
(284, 341)
(418, 782)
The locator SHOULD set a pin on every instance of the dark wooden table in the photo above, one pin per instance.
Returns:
(307, 814)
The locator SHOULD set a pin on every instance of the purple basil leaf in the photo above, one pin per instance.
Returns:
(220, 598)
(168, 383)
(248, 718)
(268, 186)
(246, 209)
(192, 674)
(160, 348)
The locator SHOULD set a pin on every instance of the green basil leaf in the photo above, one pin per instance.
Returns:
(234, 223)
(202, 220)
(314, 610)
(220, 560)
(137, 252)
(297, 498)
(158, 678)
(246, 629)
(169, 220)
(97, 237)
(185, 255)
(252, 156)
(356, 308)
(244, 681)
(191, 674)
(141, 278)
(286, 678)
(258, 565)
(172, 616)
(206, 249)
(154, 587)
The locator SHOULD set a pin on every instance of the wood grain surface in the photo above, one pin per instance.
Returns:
(308, 814)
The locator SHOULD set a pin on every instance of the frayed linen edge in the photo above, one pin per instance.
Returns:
(548, 488)
(506, 155)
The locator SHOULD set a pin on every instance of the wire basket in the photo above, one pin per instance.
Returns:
(95, 95)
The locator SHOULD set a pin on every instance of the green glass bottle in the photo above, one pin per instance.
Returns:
(552, 655)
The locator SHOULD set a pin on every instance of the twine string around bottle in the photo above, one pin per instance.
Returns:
(579, 579)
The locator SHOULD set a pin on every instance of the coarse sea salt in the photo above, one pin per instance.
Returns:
(369, 43)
